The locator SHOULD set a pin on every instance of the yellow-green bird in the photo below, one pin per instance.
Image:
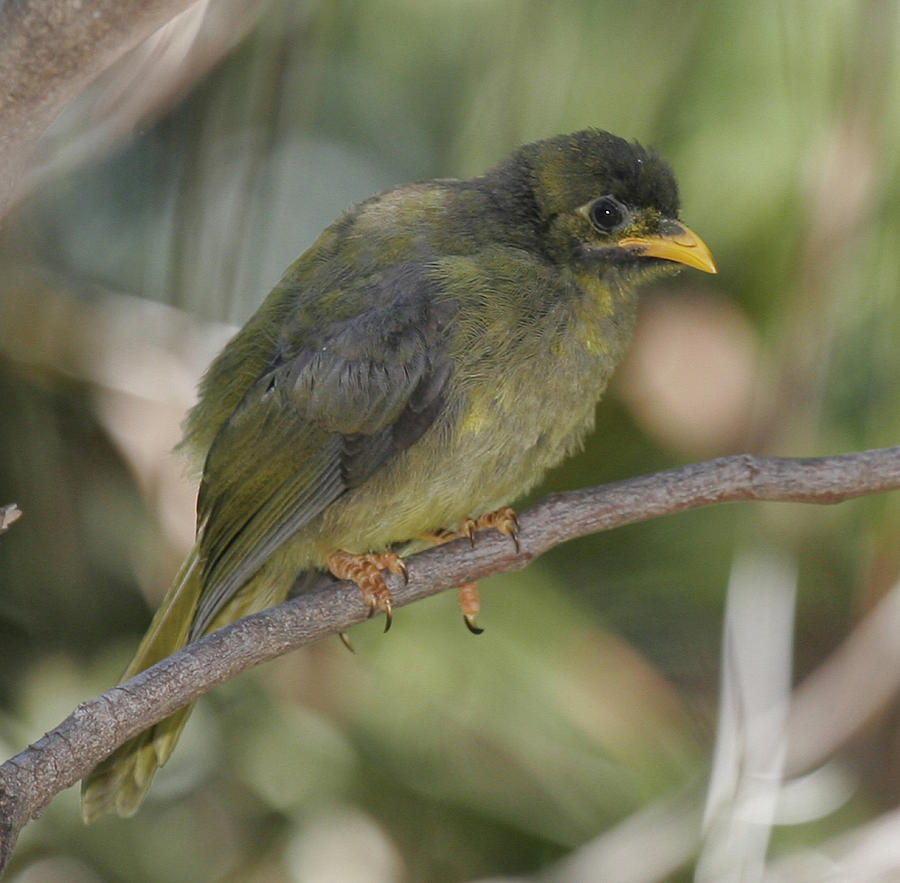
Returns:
(436, 350)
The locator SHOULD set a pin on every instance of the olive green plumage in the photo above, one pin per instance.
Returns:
(427, 359)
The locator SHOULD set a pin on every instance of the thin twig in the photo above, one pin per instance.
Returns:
(29, 780)
(9, 514)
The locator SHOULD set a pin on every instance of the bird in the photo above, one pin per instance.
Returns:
(418, 368)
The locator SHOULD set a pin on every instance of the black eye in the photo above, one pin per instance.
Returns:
(606, 213)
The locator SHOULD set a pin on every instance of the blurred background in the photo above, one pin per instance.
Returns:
(593, 732)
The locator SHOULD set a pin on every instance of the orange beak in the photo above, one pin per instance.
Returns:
(679, 244)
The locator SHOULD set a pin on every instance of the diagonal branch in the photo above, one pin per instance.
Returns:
(49, 51)
(9, 514)
(60, 758)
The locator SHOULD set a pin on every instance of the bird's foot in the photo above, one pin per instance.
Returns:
(503, 520)
(469, 605)
(366, 572)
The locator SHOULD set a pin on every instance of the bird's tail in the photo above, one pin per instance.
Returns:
(119, 783)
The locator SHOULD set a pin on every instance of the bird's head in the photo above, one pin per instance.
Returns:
(601, 201)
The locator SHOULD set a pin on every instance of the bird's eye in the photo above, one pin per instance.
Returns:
(606, 213)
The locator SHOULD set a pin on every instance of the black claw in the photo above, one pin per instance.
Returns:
(345, 640)
(404, 573)
(388, 615)
(469, 620)
(514, 533)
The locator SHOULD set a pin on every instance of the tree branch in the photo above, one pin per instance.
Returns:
(60, 758)
(9, 514)
(49, 51)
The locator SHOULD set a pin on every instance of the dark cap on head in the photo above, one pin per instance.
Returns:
(569, 169)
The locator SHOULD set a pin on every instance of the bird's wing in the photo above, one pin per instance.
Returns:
(319, 420)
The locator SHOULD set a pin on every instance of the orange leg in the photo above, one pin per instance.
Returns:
(469, 605)
(503, 520)
(366, 572)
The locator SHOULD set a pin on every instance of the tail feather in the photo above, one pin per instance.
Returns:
(119, 783)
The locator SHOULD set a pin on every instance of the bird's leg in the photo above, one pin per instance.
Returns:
(503, 520)
(469, 605)
(439, 537)
(366, 572)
